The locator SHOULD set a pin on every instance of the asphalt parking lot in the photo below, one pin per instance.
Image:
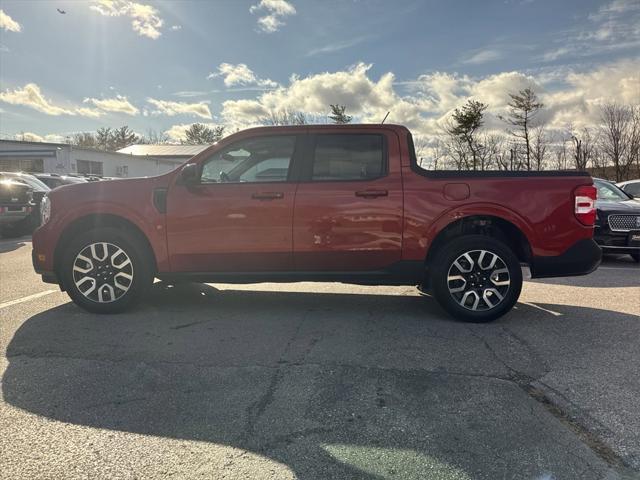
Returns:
(320, 381)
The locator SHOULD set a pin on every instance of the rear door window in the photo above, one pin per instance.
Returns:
(342, 157)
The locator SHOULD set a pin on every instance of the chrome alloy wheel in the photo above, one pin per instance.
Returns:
(478, 280)
(102, 272)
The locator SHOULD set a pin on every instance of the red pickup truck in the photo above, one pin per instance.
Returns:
(319, 203)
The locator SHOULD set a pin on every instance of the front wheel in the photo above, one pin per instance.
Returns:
(106, 270)
(476, 278)
(635, 256)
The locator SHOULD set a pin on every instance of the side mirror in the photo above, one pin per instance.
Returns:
(189, 174)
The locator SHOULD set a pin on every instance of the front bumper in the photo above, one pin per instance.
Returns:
(581, 258)
(47, 277)
(615, 242)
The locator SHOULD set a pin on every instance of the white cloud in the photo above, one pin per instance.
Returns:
(88, 112)
(28, 137)
(616, 7)
(483, 56)
(614, 27)
(240, 74)
(119, 104)
(440, 91)
(145, 19)
(368, 99)
(337, 46)
(31, 96)
(166, 107)
(177, 133)
(34, 137)
(575, 96)
(9, 24)
(273, 13)
(176, 27)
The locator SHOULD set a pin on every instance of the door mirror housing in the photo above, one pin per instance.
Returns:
(189, 174)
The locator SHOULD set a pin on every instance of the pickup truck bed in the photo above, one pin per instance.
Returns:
(320, 203)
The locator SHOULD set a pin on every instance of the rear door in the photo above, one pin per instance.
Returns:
(349, 206)
(238, 218)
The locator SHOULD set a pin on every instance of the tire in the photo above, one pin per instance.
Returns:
(635, 256)
(481, 290)
(106, 270)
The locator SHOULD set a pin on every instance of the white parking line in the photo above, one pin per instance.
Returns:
(555, 314)
(26, 299)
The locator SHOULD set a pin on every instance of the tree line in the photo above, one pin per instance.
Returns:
(611, 149)
(113, 139)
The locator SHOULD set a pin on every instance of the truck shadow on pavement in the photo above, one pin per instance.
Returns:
(330, 385)
(10, 244)
(615, 271)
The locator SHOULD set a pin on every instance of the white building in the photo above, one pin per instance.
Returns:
(64, 159)
(177, 154)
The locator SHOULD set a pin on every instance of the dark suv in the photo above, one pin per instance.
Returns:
(53, 180)
(618, 220)
(16, 206)
(38, 189)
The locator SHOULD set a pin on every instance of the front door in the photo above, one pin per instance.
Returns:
(349, 207)
(238, 217)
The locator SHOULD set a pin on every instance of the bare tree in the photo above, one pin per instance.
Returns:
(83, 139)
(599, 163)
(634, 150)
(430, 154)
(284, 117)
(583, 147)
(420, 144)
(523, 108)
(561, 157)
(153, 137)
(456, 149)
(437, 154)
(492, 151)
(539, 146)
(619, 137)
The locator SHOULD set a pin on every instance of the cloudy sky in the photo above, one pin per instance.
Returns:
(163, 64)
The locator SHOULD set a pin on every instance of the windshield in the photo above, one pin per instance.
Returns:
(30, 180)
(608, 191)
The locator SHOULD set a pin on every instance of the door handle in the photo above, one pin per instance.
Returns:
(267, 195)
(372, 193)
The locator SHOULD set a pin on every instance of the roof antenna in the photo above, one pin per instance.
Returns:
(385, 117)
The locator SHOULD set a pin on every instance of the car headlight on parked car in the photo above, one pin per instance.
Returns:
(45, 210)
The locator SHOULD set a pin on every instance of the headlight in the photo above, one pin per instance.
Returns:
(45, 210)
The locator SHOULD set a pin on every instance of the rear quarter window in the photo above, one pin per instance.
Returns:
(348, 157)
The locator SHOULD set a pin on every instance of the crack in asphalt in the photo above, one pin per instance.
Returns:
(575, 421)
(255, 410)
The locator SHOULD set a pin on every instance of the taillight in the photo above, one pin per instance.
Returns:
(585, 204)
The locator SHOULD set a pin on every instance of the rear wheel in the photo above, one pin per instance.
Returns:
(106, 270)
(476, 278)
